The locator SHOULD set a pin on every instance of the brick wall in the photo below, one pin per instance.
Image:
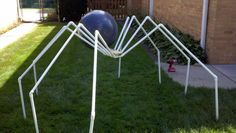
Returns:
(183, 14)
(8, 14)
(221, 32)
(186, 16)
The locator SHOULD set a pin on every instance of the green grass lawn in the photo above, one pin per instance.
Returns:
(133, 103)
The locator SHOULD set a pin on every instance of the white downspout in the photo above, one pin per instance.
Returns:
(151, 5)
(204, 23)
(19, 12)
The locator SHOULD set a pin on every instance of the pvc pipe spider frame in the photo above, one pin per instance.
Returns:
(119, 51)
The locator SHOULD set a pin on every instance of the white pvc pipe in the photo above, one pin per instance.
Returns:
(52, 41)
(94, 81)
(52, 62)
(182, 52)
(159, 65)
(41, 54)
(147, 35)
(137, 43)
(203, 65)
(135, 33)
(34, 112)
(103, 48)
(125, 33)
(41, 78)
(153, 44)
(22, 98)
(91, 37)
(204, 23)
(122, 32)
(35, 77)
(35, 61)
(119, 67)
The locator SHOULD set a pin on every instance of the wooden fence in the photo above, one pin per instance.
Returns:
(118, 8)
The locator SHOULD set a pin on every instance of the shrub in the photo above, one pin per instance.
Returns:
(168, 50)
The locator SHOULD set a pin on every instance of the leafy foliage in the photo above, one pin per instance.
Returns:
(168, 50)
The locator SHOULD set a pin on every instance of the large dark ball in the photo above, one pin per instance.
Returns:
(103, 22)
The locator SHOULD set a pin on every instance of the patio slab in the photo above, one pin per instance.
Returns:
(227, 70)
(198, 76)
(16, 33)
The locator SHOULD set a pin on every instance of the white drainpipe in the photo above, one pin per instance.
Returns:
(19, 12)
(204, 23)
(151, 5)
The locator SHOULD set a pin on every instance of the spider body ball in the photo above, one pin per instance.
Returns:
(103, 22)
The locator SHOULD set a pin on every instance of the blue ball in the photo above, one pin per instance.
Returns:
(103, 22)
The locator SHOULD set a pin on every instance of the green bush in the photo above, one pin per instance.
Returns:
(168, 50)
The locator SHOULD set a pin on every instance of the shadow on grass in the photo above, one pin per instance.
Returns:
(11, 112)
(133, 103)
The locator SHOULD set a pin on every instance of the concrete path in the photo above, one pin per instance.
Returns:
(227, 70)
(199, 77)
(16, 33)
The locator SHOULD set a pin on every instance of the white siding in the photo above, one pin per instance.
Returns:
(8, 13)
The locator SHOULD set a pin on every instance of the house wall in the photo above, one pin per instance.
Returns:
(221, 32)
(8, 14)
(186, 15)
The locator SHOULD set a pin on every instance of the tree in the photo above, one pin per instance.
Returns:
(72, 10)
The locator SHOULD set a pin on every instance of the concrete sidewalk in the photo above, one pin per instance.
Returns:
(16, 33)
(227, 70)
(199, 77)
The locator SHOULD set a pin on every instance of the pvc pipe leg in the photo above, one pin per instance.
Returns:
(34, 113)
(119, 68)
(94, 83)
(35, 78)
(216, 99)
(92, 122)
(187, 79)
(159, 66)
(22, 98)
